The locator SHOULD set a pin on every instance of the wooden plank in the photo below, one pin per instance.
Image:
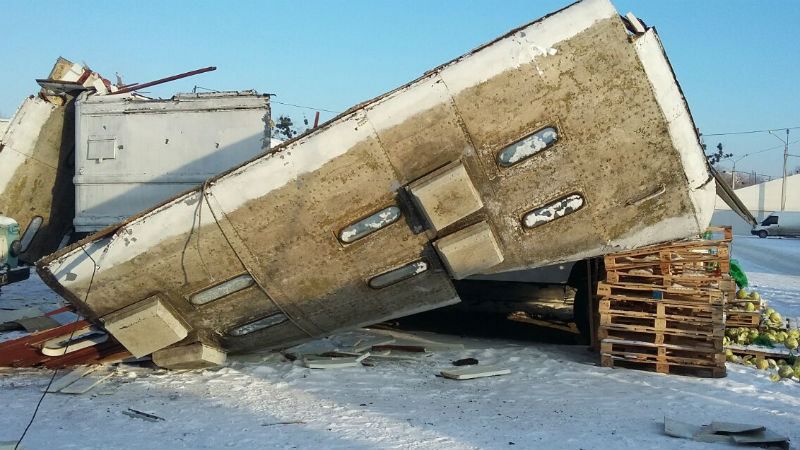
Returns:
(699, 333)
(702, 343)
(637, 351)
(567, 327)
(665, 368)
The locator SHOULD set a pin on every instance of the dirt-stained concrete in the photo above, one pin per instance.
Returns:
(614, 149)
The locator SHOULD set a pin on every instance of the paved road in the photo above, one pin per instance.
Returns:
(770, 255)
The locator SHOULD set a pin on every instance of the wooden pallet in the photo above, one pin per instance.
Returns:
(746, 319)
(672, 327)
(658, 293)
(692, 313)
(675, 251)
(722, 233)
(701, 343)
(655, 278)
(664, 358)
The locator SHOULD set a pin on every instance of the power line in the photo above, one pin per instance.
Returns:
(750, 132)
(308, 107)
(771, 148)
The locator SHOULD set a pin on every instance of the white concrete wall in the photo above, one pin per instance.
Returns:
(761, 199)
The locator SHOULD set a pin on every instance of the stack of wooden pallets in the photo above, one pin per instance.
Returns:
(662, 307)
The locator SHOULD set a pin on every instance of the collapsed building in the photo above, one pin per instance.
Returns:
(564, 139)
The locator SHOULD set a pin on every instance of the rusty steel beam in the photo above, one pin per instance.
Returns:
(136, 87)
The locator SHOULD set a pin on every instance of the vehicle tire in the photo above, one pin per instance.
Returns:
(762, 234)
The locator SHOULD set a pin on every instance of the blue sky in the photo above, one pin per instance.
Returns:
(738, 61)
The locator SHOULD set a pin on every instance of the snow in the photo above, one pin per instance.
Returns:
(555, 396)
(772, 266)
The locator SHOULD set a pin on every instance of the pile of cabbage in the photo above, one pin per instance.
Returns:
(772, 332)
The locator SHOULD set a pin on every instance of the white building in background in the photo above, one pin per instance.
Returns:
(761, 199)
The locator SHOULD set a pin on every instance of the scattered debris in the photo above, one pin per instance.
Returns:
(71, 377)
(370, 343)
(470, 372)
(32, 350)
(402, 348)
(34, 324)
(725, 432)
(136, 414)
(291, 422)
(11, 315)
(321, 362)
(465, 362)
(88, 381)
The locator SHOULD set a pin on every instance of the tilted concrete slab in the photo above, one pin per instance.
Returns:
(571, 129)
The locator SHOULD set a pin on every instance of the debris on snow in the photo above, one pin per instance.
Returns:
(725, 432)
(470, 372)
(136, 414)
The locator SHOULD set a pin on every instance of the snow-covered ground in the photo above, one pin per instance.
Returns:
(556, 396)
(772, 266)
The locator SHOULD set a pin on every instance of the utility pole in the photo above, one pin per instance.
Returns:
(733, 175)
(783, 183)
(785, 161)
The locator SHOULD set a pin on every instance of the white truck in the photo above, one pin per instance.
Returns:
(779, 223)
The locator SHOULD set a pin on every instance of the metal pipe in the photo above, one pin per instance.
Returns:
(136, 87)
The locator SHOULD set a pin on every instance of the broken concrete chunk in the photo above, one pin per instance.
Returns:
(333, 363)
(725, 432)
(146, 326)
(761, 437)
(470, 372)
(678, 429)
(192, 356)
(731, 427)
